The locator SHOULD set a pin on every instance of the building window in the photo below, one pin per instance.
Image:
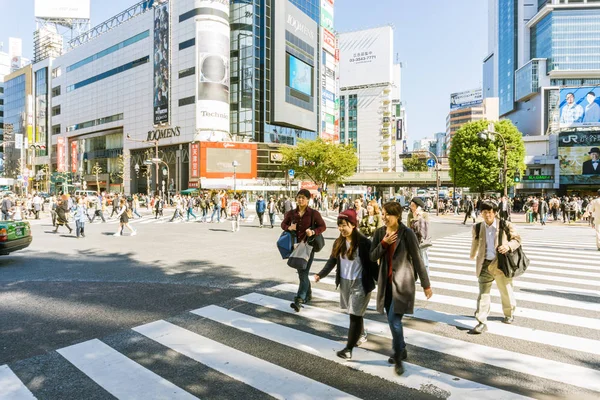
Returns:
(187, 43)
(187, 72)
(55, 129)
(95, 122)
(56, 91)
(109, 50)
(55, 111)
(56, 72)
(186, 101)
(107, 74)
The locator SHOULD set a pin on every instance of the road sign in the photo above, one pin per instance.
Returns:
(431, 163)
(291, 173)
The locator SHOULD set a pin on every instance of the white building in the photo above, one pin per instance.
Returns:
(367, 88)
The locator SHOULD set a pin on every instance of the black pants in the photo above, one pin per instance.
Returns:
(356, 329)
(97, 213)
(467, 215)
(260, 218)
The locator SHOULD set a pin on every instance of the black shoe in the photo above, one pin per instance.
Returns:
(399, 368)
(508, 320)
(297, 304)
(345, 353)
(392, 360)
(479, 329)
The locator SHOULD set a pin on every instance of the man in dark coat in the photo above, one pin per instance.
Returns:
(592, 167)
(469, 209)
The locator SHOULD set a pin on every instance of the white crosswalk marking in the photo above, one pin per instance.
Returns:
(11, 388)
(264, 376)
(554, 343)
(369, 362)
(119, 375)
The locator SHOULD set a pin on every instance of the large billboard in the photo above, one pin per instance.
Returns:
(161, 64)
(366, 57)
(213, 74)
(579, 107)
(79, 9)
(216, 160)
(579, 157)
(468, 98)
(299, 76)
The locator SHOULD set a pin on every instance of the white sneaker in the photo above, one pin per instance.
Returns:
(133, 233)
(116, 234)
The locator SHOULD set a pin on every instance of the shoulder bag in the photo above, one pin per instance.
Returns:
(317, 242)
(514, 263)
(285, 244)
(300, 256)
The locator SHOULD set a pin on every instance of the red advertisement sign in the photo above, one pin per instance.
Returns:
(329, 41)
(330, 2)
(195, 160)
(73, 156)
(337, 55)
(61, 166)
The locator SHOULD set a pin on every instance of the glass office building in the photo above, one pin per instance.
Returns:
(507, 54)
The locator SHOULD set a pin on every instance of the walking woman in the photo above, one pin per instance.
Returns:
(355, 276)
(80, 215)
(394, 246)
(420, 226)
(304, 222)
(61, 215)
(123, 216)
(372, 221)
(135, 203)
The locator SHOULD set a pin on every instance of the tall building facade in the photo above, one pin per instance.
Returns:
(193, 84)
(548, 70)
(367, 88)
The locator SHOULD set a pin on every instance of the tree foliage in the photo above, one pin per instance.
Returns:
(477, 163)
(323, 162)
(415, 164)
(97, 170)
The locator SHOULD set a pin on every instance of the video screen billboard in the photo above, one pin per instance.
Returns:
(299, 75)
(579, 107)
(579, 157)
(161, 64)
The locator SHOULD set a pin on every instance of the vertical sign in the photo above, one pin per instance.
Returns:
(74, 156)
(399, 127)
(60, 155)
(162, 42)
(195, 160)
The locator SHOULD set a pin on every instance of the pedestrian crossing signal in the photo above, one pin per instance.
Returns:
(517, 179)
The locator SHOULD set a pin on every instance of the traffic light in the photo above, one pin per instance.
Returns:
(517, 179)
(309, 163)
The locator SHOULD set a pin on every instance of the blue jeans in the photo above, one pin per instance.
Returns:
(216, 210)
(242, 214)
(395, 322)
(136, 213)
(272, 218)
(190, 211)
(304, 289)
(79, 227)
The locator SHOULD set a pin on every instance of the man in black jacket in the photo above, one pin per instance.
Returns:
(469, 210)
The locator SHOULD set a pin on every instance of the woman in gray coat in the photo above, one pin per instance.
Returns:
(396, 248)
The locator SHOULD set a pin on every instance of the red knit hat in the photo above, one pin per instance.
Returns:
(348, 215)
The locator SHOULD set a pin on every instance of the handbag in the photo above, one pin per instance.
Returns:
(316, 241)
(300, 256)
(285, 244)
(514, 263)
(425, 243)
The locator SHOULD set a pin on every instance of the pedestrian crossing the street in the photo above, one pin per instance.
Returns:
(256, 346)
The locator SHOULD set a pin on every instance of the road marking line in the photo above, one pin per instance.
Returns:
(372, 363)
(556, 371)
(119, 375)
(546, 316)
(11, 387)
(517, 332)
(262, 375)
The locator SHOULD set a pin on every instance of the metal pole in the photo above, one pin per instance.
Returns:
(157, 168)
(234, 177)
(505, 169)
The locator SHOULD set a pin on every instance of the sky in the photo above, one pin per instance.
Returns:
(440, 43)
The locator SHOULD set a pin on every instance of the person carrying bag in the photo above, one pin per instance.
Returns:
(513, 263)
(304, 223)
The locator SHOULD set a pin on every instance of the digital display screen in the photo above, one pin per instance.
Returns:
(300, 75)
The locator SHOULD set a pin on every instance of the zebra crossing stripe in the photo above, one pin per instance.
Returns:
(536, 245)
(512, 331)
(519, 282)
(471, 304)
(548, 369)
(372, 363)
(119, 375)
(262, 375)
(11, 387)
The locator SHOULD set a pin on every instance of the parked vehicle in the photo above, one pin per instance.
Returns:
(14, 235)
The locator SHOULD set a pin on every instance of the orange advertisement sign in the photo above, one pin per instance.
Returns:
(217, 160)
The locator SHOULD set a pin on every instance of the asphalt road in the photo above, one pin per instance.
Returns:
(64, 291)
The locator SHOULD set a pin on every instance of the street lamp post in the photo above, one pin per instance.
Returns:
(234, 164)
(490, 134)
(155, 153)
(157, 161)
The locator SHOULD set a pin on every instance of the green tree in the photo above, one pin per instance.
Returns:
(415, 164)
(323, 162)
(97, 170)
(477, 163)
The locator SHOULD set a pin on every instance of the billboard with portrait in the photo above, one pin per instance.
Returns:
(579, 157)
(161, 64)
(366, 57)
(579, 107)
(299, 76)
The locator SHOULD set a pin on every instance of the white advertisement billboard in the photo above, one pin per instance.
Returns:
(467, 98)
(62, 9)
(366, 57)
